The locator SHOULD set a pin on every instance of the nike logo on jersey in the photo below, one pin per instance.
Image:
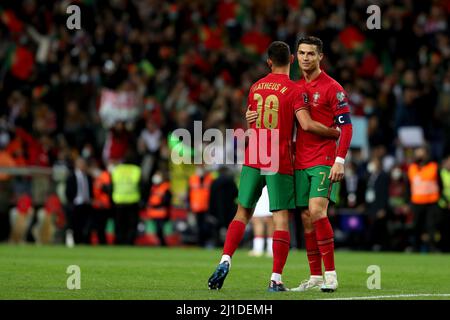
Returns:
(321, 189)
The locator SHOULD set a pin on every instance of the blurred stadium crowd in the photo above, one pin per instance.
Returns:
(181, 61)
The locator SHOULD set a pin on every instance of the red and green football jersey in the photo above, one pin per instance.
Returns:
(327, 100)
(276, 98)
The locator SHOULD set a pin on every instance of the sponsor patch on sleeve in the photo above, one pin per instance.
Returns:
(342, 104)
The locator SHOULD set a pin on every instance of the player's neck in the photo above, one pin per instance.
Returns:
(313, 74)
(280, 70)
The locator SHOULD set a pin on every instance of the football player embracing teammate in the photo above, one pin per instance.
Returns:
(276, 100)
(319, 163)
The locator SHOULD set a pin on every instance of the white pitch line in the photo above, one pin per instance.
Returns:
(394, 296)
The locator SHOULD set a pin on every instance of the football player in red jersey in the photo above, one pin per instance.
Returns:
(319, 163)
(276, 100)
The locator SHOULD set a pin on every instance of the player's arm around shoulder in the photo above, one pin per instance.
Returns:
(251, 116)
(309, 125)
(302, 113)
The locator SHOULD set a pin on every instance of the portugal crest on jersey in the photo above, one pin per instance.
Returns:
(316, 97)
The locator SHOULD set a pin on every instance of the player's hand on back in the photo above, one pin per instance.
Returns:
(336, 172)
(337, 133)
(251, 116)
(338, 129)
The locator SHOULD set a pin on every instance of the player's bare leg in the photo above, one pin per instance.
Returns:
(280, 247)
(234, 236)
(325, 240)
(268, 222)
(258, 237)
(315, 280)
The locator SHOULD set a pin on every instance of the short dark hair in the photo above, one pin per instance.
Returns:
(279, 53)
(311, 40)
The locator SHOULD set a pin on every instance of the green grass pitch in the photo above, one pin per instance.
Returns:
(33, 272)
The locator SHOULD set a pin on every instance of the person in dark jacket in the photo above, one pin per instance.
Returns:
(377, 196)
(222, 203)
(79, 198)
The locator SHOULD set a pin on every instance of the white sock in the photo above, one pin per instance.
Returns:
(227, 258)
(258, 244)
(276, 277)
(269, 243)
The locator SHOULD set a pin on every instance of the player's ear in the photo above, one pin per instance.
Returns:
(269, 63)
(320, 56)
(291, 59)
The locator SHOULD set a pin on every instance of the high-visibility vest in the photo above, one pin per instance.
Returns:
(424, 183)
(445, 199)
(199, 192)
(101, 198)
(125, 181)
(155, 199)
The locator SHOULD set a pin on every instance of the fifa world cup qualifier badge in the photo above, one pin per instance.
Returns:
(340, 96)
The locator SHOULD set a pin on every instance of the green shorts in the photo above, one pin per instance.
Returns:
(280, 188)
(314, 183)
